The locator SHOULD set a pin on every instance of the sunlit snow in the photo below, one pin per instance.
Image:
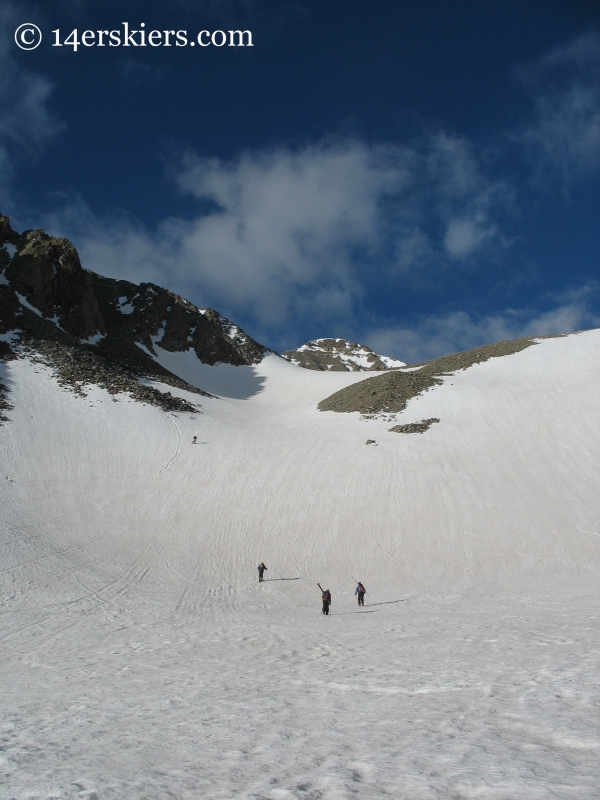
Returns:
(142, 659)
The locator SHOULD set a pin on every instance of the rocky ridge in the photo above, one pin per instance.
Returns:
(94, 330)
(339, 355)
(389, 393)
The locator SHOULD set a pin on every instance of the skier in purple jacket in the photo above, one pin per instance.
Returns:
(360, 591)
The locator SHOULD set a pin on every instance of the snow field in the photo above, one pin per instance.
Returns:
(140, 658)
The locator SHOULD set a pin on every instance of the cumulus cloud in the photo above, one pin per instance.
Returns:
(285, 236)
(430, 335)
(564, 136)
(279, 235)
(287, 226)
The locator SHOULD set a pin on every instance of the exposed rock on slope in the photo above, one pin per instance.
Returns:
(48, 273)
(415, 427)
(391, 392)
(149, 315)
(94, 330)
(339, 355)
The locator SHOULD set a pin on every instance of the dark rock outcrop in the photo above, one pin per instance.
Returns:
(48, 273)
(150, 315)
(95, 330)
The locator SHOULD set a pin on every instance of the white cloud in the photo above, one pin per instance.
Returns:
(280, 241)
(564, 136)
(464, 236)
(287, 236)
(430, 336)
(288, 224)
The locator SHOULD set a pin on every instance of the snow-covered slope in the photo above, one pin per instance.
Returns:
(141, 658)
(515, 435)
(339, 355)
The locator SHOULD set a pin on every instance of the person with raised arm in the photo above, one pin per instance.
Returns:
(326, 598)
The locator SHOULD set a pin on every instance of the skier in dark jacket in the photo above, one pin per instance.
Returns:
(261, 571)
(326, 598)
(360, 591)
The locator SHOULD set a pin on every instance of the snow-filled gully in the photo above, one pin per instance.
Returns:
(141, 658)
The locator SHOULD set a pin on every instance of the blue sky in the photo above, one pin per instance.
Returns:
(419, 177)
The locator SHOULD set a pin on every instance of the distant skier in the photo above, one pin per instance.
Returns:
(195, 440)
(360, 591)
(261, 571)
(326, 598)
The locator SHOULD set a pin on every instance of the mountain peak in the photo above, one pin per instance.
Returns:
(340, 355)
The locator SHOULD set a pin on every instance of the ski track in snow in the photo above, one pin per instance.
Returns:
(141, 659)
(167, 466)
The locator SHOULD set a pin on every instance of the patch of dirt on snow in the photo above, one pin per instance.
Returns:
(391, 391)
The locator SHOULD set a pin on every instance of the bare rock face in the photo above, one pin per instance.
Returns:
(9, 309)
(154, 317)
(48, 273)
(6, 232)
(95, 330)
(340, 355)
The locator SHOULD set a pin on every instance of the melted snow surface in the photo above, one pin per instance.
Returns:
(141, 659)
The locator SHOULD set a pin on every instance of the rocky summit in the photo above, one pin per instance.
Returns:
(95, 330)
(340, 355)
